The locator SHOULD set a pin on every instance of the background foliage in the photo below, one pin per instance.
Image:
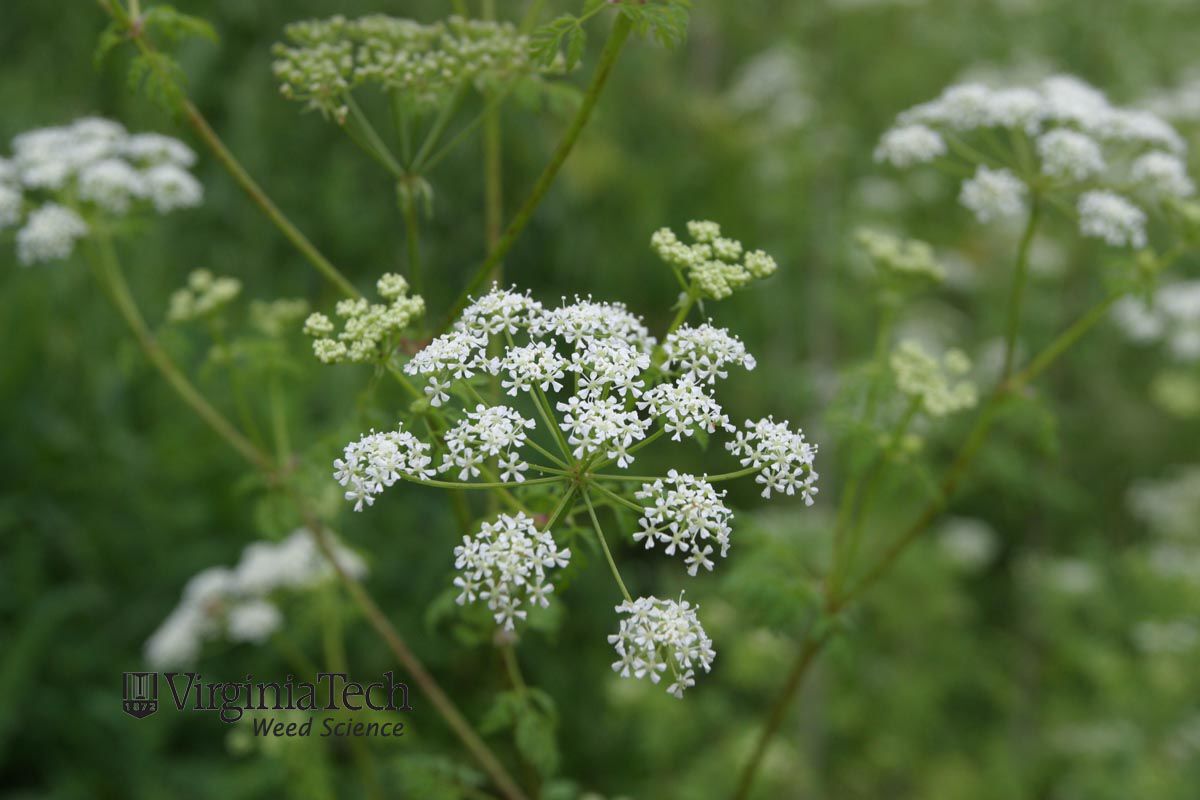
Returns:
(999, 677)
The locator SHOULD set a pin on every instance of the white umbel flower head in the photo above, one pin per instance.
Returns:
(907, 145)
(1110, 217)
(49, 234)
(1171, 315)
(170, 186)
(487, 432)
(377, 461)
(783, 458)
(1162, 175)
(704, 352)
(254, 621)
(688, 517)
(507, 565)
(993, 194)
(1069, 155)
(234, 603)
(661, 638)
(112, 184)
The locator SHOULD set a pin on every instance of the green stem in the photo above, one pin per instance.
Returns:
(962, 460)
(108, 270)
(108, 273)
(608, 58)
(265, 204)
(612, 565)
(616, 498)
(374, 145)
(492, 485)
(684, 310)
(1020, 279)
(412, 230)
(283, 447)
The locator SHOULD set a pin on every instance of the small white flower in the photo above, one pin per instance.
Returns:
(49, 234)
(907, 145)
(1108, 216)
(506, 564)
(993, 194)
(1069, 154)
(661, 635)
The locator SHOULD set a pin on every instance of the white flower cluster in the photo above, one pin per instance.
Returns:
(1171, 315)
(423, 64)
(59, 177)
(1081, 143)
(906, 145)
(993, 194)
(939, 385)
(235, 603)
(370, 331)
(203, 295)
(487, 432)
(377, 461)
(603, 352)
(686, 515)
(658, 635)
(506, 565)
(714, 264)
(783, 458)
(1110, 217)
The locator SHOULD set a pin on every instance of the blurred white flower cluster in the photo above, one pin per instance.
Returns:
(325, 60)
(237, 603)
(61, 180)
(1062, 137)
(661, 635)
(1170, 315)
(203, 295)
(940, 386)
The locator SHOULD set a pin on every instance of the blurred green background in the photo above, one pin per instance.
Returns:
(1006, 675)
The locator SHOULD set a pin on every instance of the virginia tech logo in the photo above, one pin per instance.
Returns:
(140, 694)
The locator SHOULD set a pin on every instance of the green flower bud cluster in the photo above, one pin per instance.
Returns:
(939, 385)
(369, 330)
(902, 258)
(423, 64)
(274, 318)
(203, 295)
(715, 265)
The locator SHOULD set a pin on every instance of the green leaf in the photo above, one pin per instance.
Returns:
(545, 43)
(666, 21)
(159, 77)
(110, 38)
(173, 26)
(576, 39)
